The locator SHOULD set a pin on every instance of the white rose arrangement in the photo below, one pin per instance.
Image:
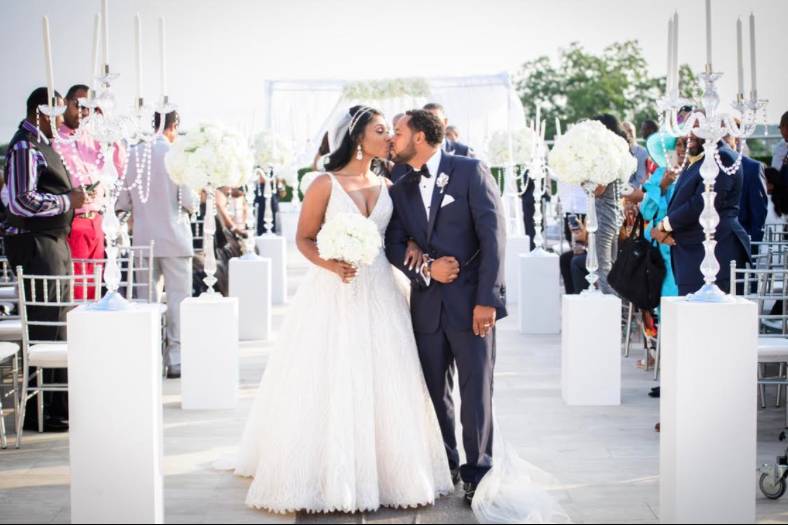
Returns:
(589, 152)
(351, 238)
(210, 154)
(523, 143)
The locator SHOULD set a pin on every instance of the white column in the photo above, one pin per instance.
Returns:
(708, 412)
(516, 245)
(540, 293)
(115, 405)
(591, 350)
(288, 221)
(209, 353)
(250, 283)
(274, 247)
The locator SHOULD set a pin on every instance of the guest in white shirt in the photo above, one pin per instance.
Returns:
(164, 220)
(781, 149)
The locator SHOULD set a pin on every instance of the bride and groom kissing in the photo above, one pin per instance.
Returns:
(355, 409)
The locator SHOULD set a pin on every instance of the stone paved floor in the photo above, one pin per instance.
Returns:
(605, 458)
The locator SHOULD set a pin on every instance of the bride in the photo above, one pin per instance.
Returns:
(343, 420)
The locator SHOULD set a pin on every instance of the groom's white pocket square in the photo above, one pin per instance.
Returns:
(448, 199)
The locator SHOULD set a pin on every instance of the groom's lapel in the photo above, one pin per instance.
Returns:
(445, 166)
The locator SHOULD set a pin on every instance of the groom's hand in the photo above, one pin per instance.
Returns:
(483, 320)
(445, 270)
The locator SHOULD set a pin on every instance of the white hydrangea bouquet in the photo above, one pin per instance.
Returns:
(589, 152)
(210, 154)
(350, 237)
(523, 144)
(272, 150)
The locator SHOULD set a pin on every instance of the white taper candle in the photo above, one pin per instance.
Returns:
(669, 75)
(708, 35)
(740, 57)
(676, 76)
(48, 62)
(96, 47)
(138, 51)
(105, 36)
(753, 63)
(163, 54)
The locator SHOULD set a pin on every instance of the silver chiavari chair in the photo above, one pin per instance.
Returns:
(9, 360)
(10, 325)
(198, 234)
(10, 336)
(775, 233)
(50, 293)
(767, 288)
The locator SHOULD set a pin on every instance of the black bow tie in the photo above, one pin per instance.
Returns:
(424, 172)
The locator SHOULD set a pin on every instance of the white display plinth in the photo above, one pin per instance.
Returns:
(708, 412)
(288, 222)
(250, 283)
(540, 293)
(274, 247)
(209, 353)
(115, 405)
(515, 247)
(591, 350)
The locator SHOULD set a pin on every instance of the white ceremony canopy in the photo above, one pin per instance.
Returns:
(301, 111)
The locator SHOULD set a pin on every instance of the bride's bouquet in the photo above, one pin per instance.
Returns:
(351, 238)
(210, 154)
(589, 152)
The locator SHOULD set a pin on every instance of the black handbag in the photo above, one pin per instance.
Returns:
(639, 271)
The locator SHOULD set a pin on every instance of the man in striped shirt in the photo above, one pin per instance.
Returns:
(40, 201)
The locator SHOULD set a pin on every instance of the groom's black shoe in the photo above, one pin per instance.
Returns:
(470, 492)
(455, 477)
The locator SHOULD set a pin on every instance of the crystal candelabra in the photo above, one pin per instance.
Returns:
(592, 226)
(111, 130)
(513, 201)
(251, 223)
(537, 171)
(711, 125)
(269, 182)
(209, 231)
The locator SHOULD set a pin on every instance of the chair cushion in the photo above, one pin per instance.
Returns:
(8, 350)
(8, 292)
(49, 355)
(772, 350)
(11, 330)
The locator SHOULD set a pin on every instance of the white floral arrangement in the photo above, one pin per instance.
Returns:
(523, 143)
(589, 152)
(386, 89)
(350, 237)
(210, 154)
(307, 179)
(271, 150)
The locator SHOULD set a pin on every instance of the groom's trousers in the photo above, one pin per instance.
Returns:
(475, 361)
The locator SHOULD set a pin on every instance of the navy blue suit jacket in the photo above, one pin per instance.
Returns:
(684, 214)
(754, 200)
(472, 229)
(457, 148)
(399, 171)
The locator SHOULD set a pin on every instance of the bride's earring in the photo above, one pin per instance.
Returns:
(359, 153)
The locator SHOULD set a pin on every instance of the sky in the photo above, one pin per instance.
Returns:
(220, 53)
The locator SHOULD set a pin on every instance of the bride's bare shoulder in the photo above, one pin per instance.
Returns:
(320, 187)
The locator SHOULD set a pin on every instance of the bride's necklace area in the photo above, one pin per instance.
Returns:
(366, 192)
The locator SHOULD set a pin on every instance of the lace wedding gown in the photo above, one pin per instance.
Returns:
(343, 420)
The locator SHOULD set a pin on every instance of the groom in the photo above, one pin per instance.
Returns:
(450, 206)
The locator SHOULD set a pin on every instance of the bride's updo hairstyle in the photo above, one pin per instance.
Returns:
(342, 154)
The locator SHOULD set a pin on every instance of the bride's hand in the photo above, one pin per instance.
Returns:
(413, 256)
(345, 271)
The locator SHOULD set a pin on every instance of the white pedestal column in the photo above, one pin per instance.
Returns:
(515, 247)
(540, 293)
(209, 353)
(250, 283)
(274, 247)
(708, 412)
(289, 223)
(115, 405)
(591, 350)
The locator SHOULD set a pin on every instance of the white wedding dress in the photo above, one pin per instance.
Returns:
(343, 420)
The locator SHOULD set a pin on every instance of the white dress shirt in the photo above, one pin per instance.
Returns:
(780, 151)
(427, 185)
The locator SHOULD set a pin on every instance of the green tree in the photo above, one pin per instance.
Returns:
(583, 85)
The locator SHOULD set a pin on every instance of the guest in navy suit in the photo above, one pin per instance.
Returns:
(451, 208)
(681, 228)
(452, 147)
(754, 204)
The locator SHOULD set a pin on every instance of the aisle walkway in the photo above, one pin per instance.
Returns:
(606, 458)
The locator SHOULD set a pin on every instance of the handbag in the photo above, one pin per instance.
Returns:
(639, 271)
